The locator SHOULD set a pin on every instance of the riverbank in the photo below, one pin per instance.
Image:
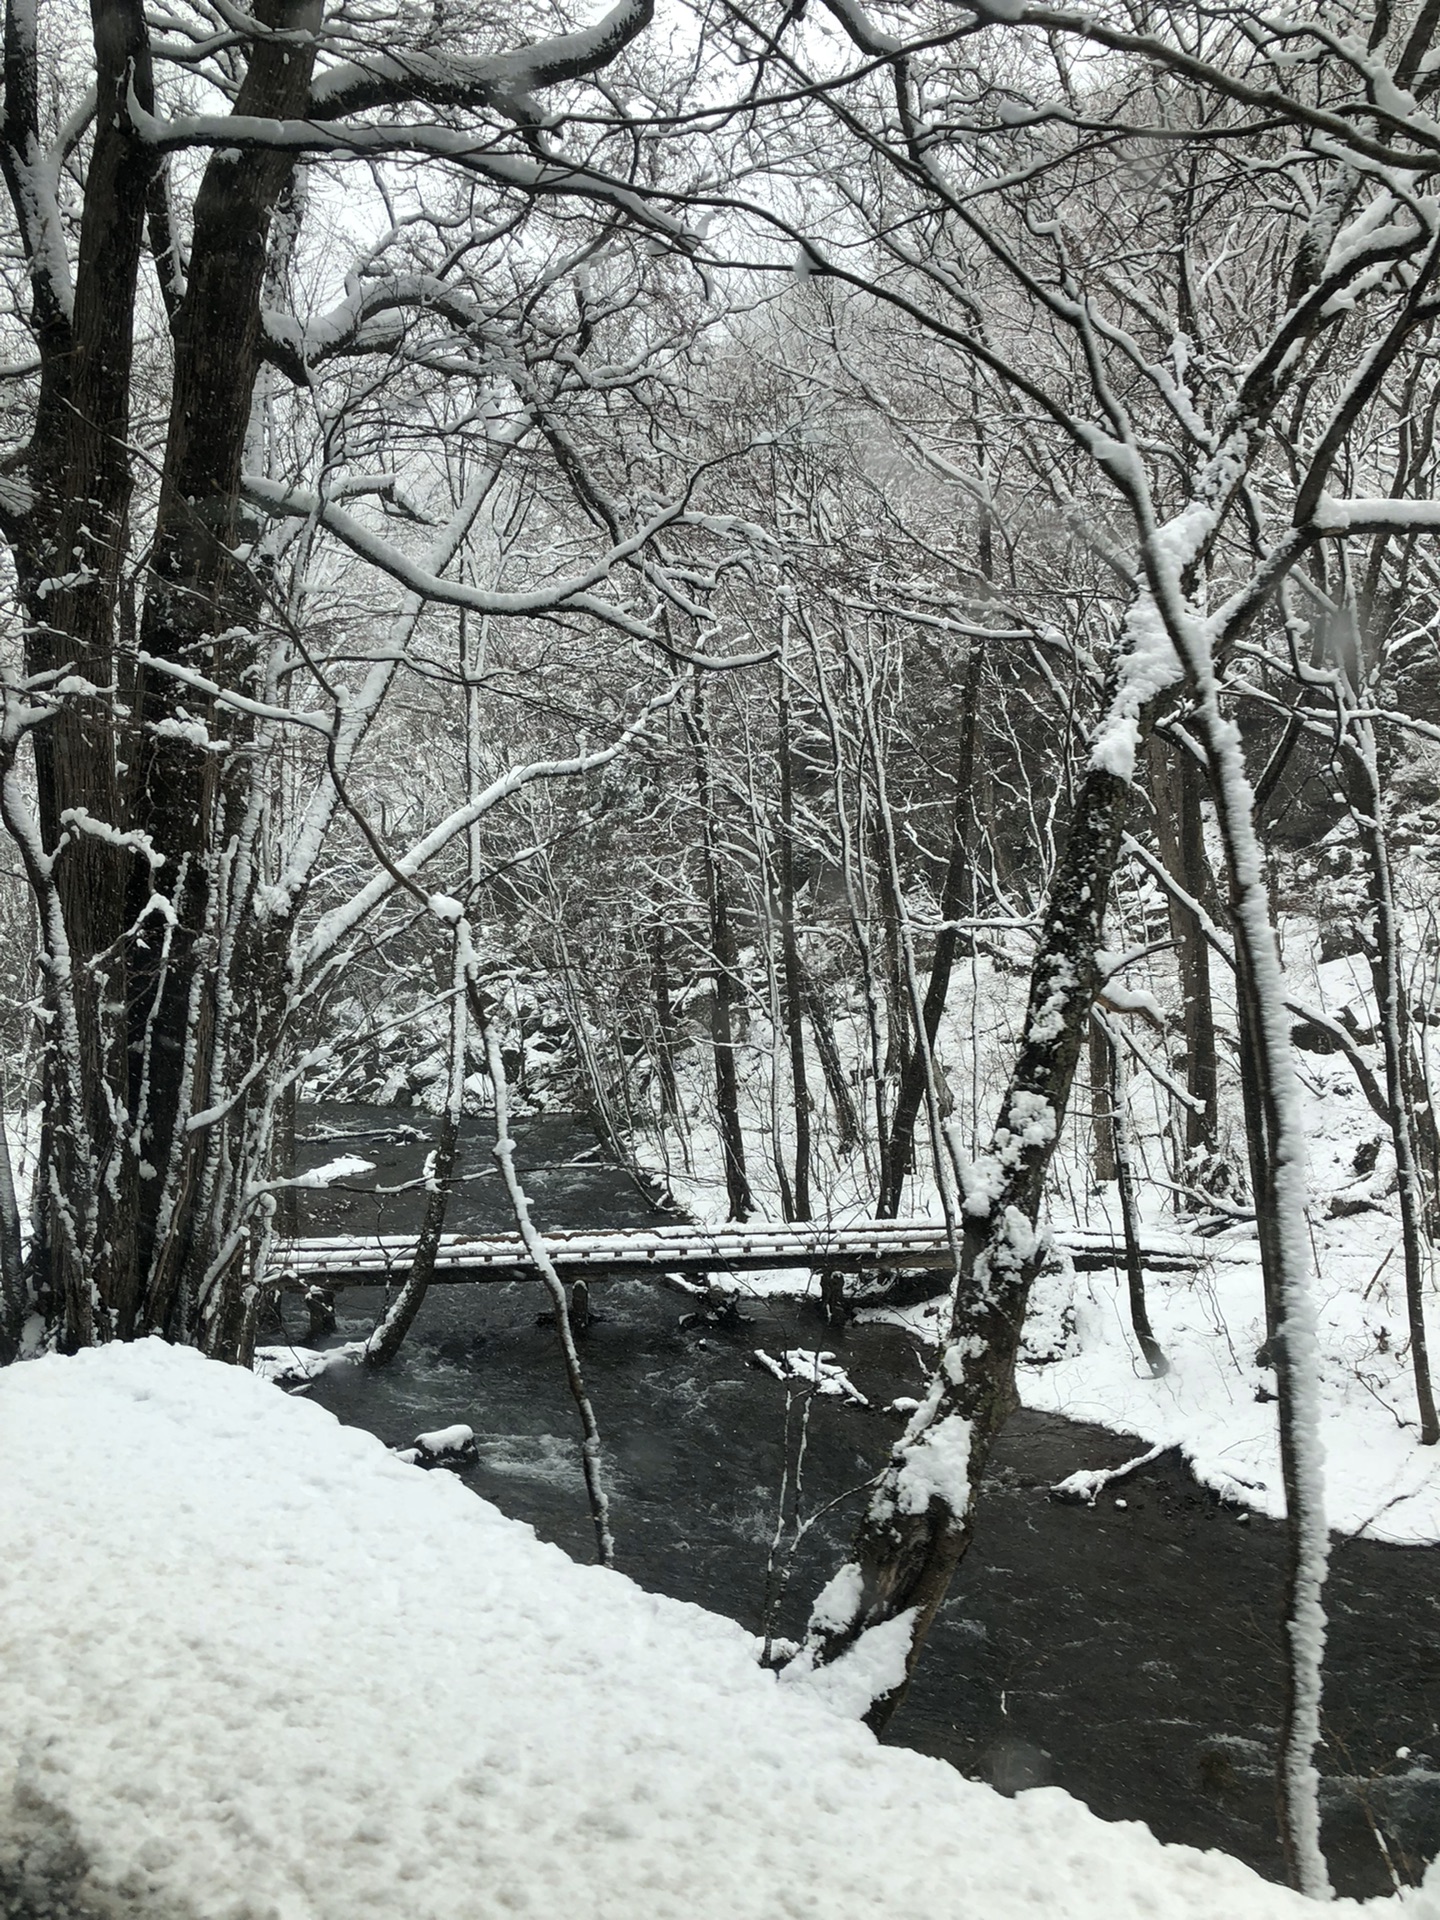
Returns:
(253, 1665)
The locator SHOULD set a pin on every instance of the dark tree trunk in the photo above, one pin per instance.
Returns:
(1427, 1138)
(1102, 1125)
(201, 609)
(131, 1017)
(1129, 1215)
(69, 550)
(1201, 1060)
(12, 1262)
(1258, 1150)
(1360, 773)
(157, 977)
(790, 951)
(1179, 820)
(847, 1119)
(385, 1342)
(723, 974)
(664, 1021)
(387, 1339)
(287, 1213)
(897, 1000)
(956, 897)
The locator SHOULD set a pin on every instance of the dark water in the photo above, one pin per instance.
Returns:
(1129, 1654)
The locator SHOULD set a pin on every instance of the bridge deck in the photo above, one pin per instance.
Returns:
(915, 1245)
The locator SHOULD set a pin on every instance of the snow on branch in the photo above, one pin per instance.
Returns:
(357, 712)
(240, 702)
(1084, 1486)
(78, 820)
(352, 322)
(862, 29)
(1330, 127)
(1375, 515)
(246, 133)
(565, 596)
(387, 79)
(572, 595)
(37, 195)
(343, 919)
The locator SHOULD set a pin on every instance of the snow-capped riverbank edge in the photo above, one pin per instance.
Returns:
(253, 1665)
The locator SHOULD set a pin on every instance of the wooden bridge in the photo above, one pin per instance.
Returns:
(683, 1249)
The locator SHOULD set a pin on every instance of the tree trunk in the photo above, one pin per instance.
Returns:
(1274, 1118)
(1129, 1217)
(287, 1213)
(664, 1022)
(1360, 770)
(504, 1156)
(1259, 1152)
(12, 1262)
(126, 919)
(69, 550)
(918, 1522)
(1179, 824)
(852, 873)
(957, 895)
(1102, 1125)
(385, 1342)
(724, 974)
(201, 609)
(790, 951)
(892, 910)
(847, 1119)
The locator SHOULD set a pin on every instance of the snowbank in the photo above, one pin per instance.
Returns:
(253, 1666)
(1218, 1407)
(1082, 1361)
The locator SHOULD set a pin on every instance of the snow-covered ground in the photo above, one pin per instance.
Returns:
(1214, 1403)
(1217, 1406)
(253, 1666)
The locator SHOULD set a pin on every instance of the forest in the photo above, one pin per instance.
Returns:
(847, 589)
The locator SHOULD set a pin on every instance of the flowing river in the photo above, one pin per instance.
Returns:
(1127, 1652)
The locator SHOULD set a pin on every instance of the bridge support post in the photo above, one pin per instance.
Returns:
(320, 1304)
(832, 1298)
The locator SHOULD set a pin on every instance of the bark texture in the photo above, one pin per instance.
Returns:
(917, 1525)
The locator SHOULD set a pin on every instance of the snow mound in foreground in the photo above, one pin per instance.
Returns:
(252, 1666)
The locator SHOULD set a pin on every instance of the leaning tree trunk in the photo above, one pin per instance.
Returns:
(503, 1153)
(918, 1522)
(1101, 1126)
